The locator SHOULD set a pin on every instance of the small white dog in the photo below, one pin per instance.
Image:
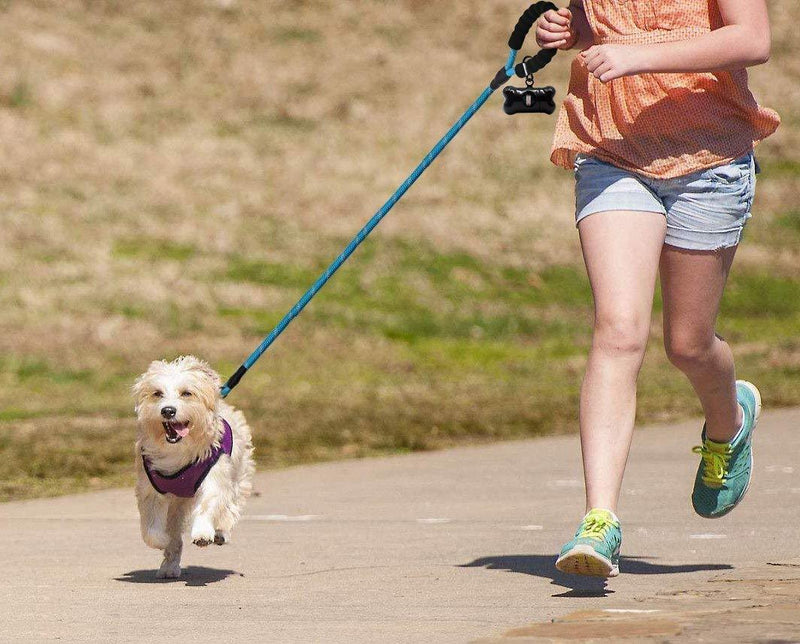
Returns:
(194, 459)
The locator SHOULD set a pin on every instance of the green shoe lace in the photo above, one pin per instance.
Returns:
(716, 457)
(596, 525)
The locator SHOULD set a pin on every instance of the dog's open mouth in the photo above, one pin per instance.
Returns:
(175, 431)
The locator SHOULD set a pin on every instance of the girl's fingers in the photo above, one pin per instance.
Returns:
(549, 36)
(552, 45)
(611, 74)
(554, 16)
(553, 27)
(594, 64)
(603, 72)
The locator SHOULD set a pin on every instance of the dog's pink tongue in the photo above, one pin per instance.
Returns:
(182, 430)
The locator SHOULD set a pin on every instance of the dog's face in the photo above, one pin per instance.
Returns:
(177, 401)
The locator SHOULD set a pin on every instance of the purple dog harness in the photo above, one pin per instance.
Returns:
(185, 483)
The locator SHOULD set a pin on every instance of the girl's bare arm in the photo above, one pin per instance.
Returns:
(743, 41)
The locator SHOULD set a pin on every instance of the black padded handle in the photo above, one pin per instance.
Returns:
(527, 21)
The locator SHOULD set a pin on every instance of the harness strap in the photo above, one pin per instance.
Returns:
(185, 482)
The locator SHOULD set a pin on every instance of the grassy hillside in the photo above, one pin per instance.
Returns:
(175, 174)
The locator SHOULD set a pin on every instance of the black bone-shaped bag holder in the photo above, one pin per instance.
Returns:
(529, 100)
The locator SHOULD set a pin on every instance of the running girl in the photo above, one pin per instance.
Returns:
(659, 126)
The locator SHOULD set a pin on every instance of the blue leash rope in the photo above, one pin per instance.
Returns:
(515, 43)
(365, 231)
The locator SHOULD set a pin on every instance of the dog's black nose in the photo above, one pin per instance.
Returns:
(168, 412)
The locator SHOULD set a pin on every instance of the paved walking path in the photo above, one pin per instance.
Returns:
(454, 546)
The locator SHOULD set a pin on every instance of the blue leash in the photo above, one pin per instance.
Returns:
(523, 26)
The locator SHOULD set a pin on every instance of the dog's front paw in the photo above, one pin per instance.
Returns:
(202, 532)
(221, 538)
(169, 570)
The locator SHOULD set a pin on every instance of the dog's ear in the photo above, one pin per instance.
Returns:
(136, 392)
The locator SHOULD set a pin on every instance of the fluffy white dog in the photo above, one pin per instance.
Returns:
(194, 459)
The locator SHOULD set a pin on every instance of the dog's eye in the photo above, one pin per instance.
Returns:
(186, 394)
(157, 394)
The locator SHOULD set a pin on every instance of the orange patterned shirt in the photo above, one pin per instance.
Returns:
(659, 125)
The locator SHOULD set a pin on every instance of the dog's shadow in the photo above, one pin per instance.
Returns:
(198, 576)
(577, 585)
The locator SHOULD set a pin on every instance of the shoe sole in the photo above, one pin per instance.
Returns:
(757, 397)
(584, 560)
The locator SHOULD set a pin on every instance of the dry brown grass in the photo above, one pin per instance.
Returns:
(148, 146)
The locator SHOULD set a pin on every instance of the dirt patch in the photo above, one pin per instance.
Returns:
(598, 628)
(752, 607)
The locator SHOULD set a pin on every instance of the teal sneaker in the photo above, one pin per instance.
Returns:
(594, 550)
(725, 469)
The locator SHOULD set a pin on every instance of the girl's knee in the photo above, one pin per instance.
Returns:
(686, 350)
(621, 335)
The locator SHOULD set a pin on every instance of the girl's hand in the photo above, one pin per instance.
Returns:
(607, 62)
(554, 30)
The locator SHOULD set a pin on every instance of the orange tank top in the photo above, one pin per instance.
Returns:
(659, 125)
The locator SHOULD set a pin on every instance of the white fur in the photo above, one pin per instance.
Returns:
(192, 387)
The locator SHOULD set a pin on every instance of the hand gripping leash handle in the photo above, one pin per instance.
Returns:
(531, 64)
(526, 22)
(515, 42)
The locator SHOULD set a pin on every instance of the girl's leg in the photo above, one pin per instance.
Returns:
(692, 283)
(621, 250)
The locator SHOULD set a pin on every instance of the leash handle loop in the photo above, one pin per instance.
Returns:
(531, 64)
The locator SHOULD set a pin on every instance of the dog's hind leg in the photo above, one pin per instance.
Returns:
(176, 518)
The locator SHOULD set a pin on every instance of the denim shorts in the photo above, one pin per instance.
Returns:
(705, 210)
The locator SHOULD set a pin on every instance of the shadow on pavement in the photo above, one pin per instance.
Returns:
(579, 586)
(191, 576)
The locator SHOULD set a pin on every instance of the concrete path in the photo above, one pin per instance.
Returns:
(456, 546)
